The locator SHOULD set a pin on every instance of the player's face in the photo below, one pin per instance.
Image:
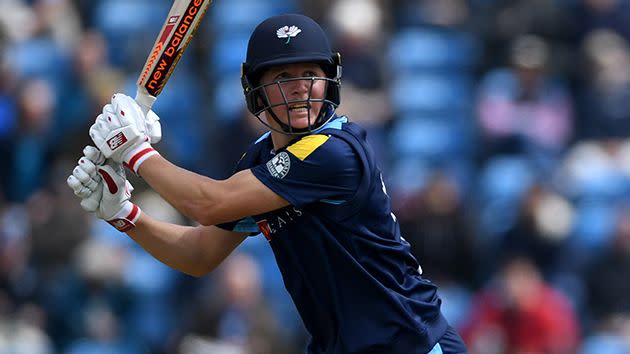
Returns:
(291, 97)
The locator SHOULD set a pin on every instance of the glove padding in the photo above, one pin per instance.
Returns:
(104, 189)
(84, 180)
(123, 133)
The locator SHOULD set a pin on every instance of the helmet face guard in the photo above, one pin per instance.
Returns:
(258, 102)
(290, 39)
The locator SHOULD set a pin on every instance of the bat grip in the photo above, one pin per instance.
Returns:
(145, 101)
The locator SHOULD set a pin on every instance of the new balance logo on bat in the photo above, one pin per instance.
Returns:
(116, 141)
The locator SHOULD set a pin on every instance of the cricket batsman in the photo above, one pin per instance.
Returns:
(310, 186)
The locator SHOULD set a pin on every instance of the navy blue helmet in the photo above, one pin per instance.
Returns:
(290, 39)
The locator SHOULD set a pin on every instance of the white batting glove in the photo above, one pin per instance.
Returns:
(104, 189)
(84, 179)
(123, 133)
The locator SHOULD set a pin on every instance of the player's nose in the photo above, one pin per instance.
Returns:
(301, 88)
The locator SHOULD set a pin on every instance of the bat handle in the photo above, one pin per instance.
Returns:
(144, 100)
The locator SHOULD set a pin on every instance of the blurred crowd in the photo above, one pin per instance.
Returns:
(502, 126)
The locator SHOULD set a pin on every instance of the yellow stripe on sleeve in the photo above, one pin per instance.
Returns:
(307, 145)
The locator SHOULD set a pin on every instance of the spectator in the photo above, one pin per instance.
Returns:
(85, 89)
(562, 54)
(607, 278)
(29, 151)
(522, 109)
(440, 232)
(24, 333)
(605, 87)
(542, 227)
(521, 313)
(237, 314)
(592, 15)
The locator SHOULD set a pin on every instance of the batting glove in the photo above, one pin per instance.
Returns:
(104, 189)
(124, 134)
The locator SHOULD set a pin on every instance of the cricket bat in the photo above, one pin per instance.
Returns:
(181, 23)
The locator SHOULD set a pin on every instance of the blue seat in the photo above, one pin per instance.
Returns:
(40, 58)
(243, 15)
(126, 23)
(601, 185)
(594, 226)
(456, 304)
(503, 182)
(227, 53)
(429, 138)
(238, 15)
(121, 17)
(150, 316)
(602, 342)
(408, 174)
(284, 6)
(228, 101)
(432, 93)
(423, 48)
(506, 178)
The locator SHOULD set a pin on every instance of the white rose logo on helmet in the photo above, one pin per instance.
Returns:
(288, 32)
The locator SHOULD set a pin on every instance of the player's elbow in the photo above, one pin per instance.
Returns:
(202, 267)
(196, 270)
(199, 217)
(211, 214)
(205, 216)
(199, 211)
(206, 208)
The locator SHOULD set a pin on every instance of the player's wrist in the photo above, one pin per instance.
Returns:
(125, 219)
(136, 155)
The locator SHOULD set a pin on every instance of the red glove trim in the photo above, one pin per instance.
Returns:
(136, 157)
(127, 223)
(111, 185)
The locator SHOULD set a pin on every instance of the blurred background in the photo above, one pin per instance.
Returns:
(502, 127)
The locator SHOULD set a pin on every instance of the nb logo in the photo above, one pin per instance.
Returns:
(121, 224)
(116, 141)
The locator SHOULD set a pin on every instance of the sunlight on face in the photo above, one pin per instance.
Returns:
(296, 93)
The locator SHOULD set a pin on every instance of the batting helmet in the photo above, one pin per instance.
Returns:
(290, 39)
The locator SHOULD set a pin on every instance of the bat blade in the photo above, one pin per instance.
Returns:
(181, 24)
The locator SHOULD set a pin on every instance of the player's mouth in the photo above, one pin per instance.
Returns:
(303, 107)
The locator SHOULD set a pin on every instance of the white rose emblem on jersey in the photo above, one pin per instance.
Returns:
(279, 165)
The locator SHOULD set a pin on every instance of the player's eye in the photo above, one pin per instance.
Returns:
(310, 74)
(282, 76)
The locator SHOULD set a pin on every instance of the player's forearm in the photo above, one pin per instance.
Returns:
(176, 246)
(191, 194)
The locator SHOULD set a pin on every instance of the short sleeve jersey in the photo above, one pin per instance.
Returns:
(338, 246)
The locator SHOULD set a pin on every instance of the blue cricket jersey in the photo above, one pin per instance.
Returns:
(338, 246)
